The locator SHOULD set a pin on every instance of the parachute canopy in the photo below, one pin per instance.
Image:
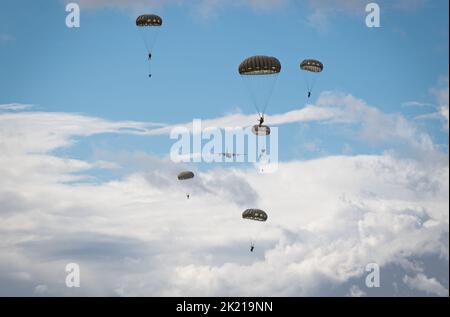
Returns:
(260, 65)
(255, 214)
(311, 69)
(260, 74)
(311, 65)
(148, 20)
(261, 130)
(185, 175)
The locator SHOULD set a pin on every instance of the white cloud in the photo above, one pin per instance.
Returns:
(355, 291)
(15, 107)
(441, 94)
(41, 290)
(441, 108)
(368, 124)
(429, 285)
(139, 235)
(144, 237)
(417, 104)
(45, 131)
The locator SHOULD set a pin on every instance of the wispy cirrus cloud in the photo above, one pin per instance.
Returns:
(47, 131)
(441, 109)
(441, 93)
(15, 107)
(417, 104)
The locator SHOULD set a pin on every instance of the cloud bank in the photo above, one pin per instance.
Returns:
(137, 235)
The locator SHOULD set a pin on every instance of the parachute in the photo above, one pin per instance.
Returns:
(311, 65)
(260, 65)
(261, 130)
(185, 175)
(311, 68)
(149, 25)
(260, 74)
(254, 228)
(255, 214)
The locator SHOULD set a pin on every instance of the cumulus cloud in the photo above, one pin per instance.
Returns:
(139, 235)
(355, 291)
(429, 285)
(145, 239)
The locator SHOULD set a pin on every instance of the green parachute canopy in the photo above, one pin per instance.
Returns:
(185, 175)
(261, 130)
(311, 69)
(311, 65)
(255, 214)
(260, 65)
(260, 74)
(148, 20)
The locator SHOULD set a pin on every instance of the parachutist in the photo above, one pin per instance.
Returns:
(184, 176)
(311, 66)
(149, 24)
(252, 247)
(149, 75)
(261, 121)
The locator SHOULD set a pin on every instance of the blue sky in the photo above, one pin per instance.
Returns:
(363, 174)
(100, 68)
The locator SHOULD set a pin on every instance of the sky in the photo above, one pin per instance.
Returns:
(86, 176)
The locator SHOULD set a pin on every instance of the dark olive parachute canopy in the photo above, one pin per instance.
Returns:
(311, 65)
(148, 20)
(254, 214)
(185, 175)
(260, 65)
(261, 130)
